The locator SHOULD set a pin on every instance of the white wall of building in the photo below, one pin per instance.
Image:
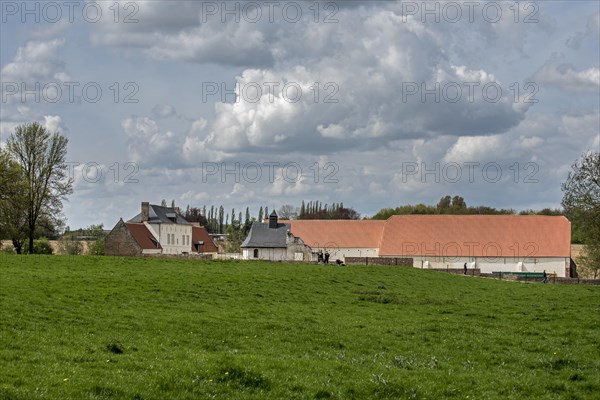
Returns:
(342, 252)
(174, 238)
(276, 254)
(273, 254)
(151, 251)
(556, 265)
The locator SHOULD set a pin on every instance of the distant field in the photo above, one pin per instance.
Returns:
(115, 328)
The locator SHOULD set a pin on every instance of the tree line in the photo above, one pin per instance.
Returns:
(219, 221)
(456, 205)
(216, 220)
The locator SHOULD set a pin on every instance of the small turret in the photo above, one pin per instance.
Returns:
(273, 220)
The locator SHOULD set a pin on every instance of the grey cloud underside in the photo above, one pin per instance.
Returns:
(369, 56)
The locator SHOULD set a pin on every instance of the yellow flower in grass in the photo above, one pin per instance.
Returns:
(66, 379)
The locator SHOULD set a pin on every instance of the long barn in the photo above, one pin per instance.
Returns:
(508, 243)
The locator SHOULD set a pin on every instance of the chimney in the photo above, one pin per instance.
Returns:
(145, 211)
(177, 210)
(273, 220)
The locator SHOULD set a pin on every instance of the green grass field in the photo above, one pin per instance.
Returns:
(115, 328)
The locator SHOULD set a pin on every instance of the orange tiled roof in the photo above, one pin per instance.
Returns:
(338, 233)
(142, 235)
(444, 235)
(199, 233)
(477, 235)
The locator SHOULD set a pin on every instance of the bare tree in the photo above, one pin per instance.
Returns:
(41, 155)
(287, 211)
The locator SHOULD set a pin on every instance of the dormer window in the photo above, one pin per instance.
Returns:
(172, 217)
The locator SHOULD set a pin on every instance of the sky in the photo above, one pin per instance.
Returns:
(262, 103)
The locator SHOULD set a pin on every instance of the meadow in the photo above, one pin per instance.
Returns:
(125, 328)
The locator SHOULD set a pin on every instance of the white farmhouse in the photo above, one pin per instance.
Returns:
(158, 230)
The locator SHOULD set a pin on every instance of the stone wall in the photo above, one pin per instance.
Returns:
(393, 261)
(578, 270)
(120, 242)
(458, 271)
(551, 279)
(55, 244)
(192, 256)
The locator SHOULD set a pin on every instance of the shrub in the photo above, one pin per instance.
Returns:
(96, 248)
(40, 246)
(70, 247)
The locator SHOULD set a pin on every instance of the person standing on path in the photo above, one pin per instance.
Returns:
(465, 266)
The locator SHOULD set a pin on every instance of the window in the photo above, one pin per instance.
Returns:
(168, 238)
(255, 253)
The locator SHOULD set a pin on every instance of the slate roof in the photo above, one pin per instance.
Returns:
(158, 215)
(261, 235)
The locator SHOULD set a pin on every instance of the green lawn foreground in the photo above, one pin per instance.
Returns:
(121, 328)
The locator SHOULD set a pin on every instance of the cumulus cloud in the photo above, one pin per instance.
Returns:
(148, 144)
(468, 149)
(53, 123)
(407, 89)
(26, 78)
(198, 126)
(580, 127)
(530, 142)
(565, 76)
(358, 76)
(381, 109)
(12, 118)
(163, 111)
(238, 34)
(37, 60)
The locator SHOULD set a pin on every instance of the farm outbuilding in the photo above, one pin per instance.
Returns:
(490, 243)
(273, 241)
